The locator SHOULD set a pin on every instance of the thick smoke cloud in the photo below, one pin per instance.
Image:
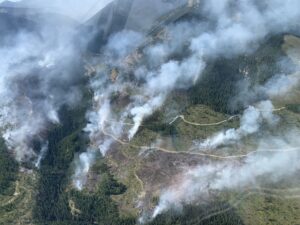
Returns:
(258, 21)
(143, 79)
(149, 87)
(38, 75)
(236, 29)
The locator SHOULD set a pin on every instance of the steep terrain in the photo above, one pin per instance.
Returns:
(199, 157)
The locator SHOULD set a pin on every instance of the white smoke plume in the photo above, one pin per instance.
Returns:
(82, 166)
(148, 97)
(251, 121)
(280, 85)
(277, 87)
(143, 79)
(160, 85)
(236, 29)
(42, 154)
(38, 75)
(234, 35)
(229, 30)
(201, 181)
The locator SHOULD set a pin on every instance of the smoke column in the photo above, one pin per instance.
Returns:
(228, 30)
(39, 74)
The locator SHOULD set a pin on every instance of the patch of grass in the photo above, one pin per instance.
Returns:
(187, 133)
(270, 203)
(16, 208)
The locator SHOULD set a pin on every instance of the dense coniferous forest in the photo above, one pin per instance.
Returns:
(8, 170)
(54, 197)
(220, 81)
(51, 197)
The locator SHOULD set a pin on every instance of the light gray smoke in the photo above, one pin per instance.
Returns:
(75, 9)
(278, 86)
(38, 75)
(82, 166)
(42, 154)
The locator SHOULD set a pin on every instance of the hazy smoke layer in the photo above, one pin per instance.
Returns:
(38, 76)
(76, 9)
